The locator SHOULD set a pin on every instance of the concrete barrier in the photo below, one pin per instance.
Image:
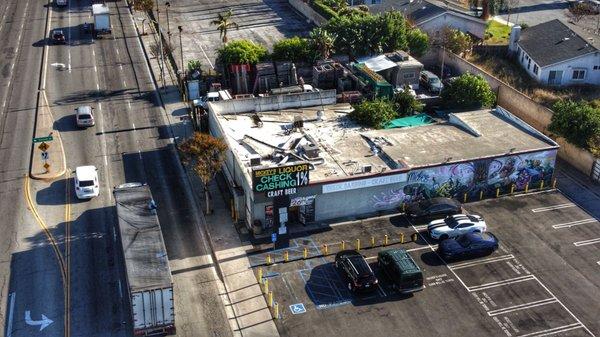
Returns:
(310, 14)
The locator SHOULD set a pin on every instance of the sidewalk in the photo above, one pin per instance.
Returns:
(245, 305)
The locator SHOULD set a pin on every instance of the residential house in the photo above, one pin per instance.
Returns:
(557, 53)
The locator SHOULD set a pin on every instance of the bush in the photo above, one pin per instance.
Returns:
(418, 42)
(374, 113)
(241, 52)
(194, 65)
(468, 91)
(321, 8)
(295, 49)
(406, 104)
(577, 122)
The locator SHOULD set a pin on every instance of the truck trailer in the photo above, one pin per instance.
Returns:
(149, 283)
(101, 15)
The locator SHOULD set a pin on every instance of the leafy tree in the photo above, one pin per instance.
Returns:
(455, 40)
(374, 113)
(578, 122)
(323, 41)
(241, 52)
(468, 91)
(194, 65)
(394, 31)
(223, 23)
(205, 154)
(295, 49)
(143, 5)
(418, 42)
(406, 104)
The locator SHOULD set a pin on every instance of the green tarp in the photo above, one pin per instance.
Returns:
(406, 122)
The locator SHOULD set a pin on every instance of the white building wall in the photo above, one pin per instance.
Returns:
(475, 27)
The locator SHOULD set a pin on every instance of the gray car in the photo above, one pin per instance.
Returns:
(84, 116)
(431, 82)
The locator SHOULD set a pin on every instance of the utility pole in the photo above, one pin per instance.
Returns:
(181, 50)
(168, 5)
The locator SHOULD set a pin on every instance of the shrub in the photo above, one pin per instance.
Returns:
(374, 113)
(295, 49)
(406, 104)
(418, 42)
(194, 65)
(578, 122)
(468, 91)
(321, 8)
(241, 52)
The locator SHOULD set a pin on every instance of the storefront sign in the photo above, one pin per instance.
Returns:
(364, 183)
(302, 201)
(280, 178)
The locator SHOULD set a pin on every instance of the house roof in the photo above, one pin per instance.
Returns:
(418, 11)
(555, 41)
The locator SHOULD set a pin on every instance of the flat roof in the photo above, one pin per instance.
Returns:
(345, 148)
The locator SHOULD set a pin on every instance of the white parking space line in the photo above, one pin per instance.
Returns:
(501, 283)
(553, 331)
(421, 248)
(420, 228)
(552, 208)
(484, 261)
(586, 242)
(370, 258)
(10, 314)
(574, 223)
(522, 306)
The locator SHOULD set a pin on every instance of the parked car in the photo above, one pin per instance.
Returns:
(433, 208)
(84, 116)
(86, 182)
(455, 225)
(58, 37)
(468, 245)
(431, 82)
(448, 72)
(401, 269)
(356, 270)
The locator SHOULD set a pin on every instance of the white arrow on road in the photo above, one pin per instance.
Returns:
(43, 323)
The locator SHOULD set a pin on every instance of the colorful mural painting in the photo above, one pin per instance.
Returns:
(487, 175)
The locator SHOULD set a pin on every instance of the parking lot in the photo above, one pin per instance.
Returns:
(543, 280)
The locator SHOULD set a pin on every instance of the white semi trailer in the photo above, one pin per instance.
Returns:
(101, 15)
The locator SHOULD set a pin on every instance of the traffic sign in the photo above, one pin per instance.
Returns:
(45, 156)
(43, 147)
(297, 308)
(42, 139)
(273, 237)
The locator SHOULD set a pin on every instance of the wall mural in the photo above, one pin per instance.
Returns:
(455, 180)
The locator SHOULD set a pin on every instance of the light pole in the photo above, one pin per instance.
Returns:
(168, 5)
(181, 50)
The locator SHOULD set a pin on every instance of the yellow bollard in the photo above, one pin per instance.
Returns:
(554, 183)
(372, 241)
(266, 286)
(326, 250)
(276, 310)
(497, 192)
(270, 299)
(269, 259)
(414, 237)
(401, 237)
(542, 185)
(481, 195)
(512, 189)
(385, 240)
(260, 275)
(343, 243)
(286, 256)
(357, 244)
(526, 187)
(305, 253)
(464, 198)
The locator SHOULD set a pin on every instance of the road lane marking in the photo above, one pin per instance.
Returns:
(10, 314)
(586, 242)
(574, 223)
(95, 68)
(522, 306)
(45, 62)
(484, 261)
(556, 330)
(69, 36)
(501, 283)
(421, 248)
(117, 50)
(124, 83)
(12, 67)
(552, 208)
(68, 254)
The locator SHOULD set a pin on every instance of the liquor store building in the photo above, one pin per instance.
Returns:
(299, 159)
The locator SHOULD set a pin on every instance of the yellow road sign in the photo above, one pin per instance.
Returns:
(43, 146)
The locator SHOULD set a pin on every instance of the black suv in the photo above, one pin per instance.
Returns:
(357, 271)
(58, 37)
(433, 208)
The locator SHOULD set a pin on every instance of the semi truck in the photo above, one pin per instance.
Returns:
(101, 15)
(149, 284)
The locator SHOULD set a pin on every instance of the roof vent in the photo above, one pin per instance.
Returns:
(255, 160)
(298, 122)
(311, 150)
(367, 168)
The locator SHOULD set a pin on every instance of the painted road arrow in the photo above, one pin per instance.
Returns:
(42, 323)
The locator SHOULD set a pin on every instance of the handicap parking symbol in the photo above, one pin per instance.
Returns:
(297, 308)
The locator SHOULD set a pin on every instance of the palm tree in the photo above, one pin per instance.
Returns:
(223, 23)
(323, 42)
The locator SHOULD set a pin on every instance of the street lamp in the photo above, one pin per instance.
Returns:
(181, 50)
(168, 5)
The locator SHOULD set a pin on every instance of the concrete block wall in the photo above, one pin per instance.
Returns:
(310, 14)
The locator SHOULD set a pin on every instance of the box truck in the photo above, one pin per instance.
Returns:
(148, 275)
(101, 15)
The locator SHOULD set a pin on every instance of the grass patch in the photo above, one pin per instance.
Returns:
(497, 33)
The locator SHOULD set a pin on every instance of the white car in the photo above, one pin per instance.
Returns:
(455, 225)
(86, 182)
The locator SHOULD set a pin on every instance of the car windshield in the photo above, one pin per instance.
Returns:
(85, 116)
(451, 222)
(463, 241)
(86, 183)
